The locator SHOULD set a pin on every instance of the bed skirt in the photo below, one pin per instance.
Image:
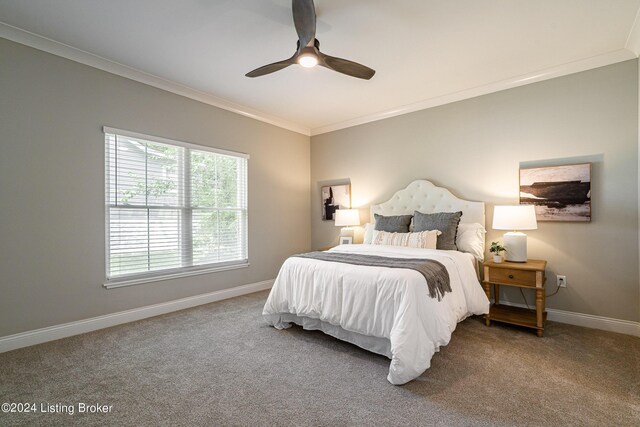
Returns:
(376, 345)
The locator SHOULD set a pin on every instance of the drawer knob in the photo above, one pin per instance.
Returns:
(511, 276)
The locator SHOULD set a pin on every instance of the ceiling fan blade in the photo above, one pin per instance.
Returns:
(271, 68)
(304, 18)
(345, 66)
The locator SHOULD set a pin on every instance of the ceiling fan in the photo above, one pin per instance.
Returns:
(308, 48)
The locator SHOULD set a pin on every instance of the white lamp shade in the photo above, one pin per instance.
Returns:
(347, 217)
(518, 217)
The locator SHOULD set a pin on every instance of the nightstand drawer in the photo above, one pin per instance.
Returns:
(512, 277)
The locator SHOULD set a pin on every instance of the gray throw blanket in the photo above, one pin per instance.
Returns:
(434, 272)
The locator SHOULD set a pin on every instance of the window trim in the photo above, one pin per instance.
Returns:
(174, 273)
(136, 279)
(161, 140)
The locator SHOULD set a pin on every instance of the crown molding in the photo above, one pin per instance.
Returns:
(538, 76)
(36, 41)
(39, 42)
(633, 41)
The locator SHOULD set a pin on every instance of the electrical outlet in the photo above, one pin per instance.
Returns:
(561, 281)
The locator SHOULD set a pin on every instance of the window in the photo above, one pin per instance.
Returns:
(172, 208)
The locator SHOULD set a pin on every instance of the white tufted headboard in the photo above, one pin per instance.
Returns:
(423, 196)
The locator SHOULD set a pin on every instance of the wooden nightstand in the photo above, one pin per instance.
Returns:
(528, 274)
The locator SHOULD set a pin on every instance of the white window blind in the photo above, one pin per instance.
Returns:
(172, 207)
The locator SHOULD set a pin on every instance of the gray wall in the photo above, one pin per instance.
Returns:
(475, 148)
(52, 187)
(51, 180)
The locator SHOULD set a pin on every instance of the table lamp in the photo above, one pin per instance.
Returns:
(518, 217)
(346, 218)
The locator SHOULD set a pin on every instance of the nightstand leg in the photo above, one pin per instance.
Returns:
(487, 290)
(539, 309)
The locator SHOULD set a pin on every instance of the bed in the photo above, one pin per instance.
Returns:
(388, 311)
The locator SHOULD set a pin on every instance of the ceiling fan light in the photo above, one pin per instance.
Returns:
(308, 60)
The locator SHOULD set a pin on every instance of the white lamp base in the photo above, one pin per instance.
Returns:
(515, 244)
(347, 232)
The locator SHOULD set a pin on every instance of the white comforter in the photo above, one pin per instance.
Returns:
(388, 303)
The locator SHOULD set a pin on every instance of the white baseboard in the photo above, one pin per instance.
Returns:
(51, 333)
(595, 322)
(626, 327)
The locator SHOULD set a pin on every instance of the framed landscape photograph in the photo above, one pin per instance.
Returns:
(559, 193)
(335, 197)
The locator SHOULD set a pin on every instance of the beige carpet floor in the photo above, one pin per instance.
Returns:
(220, 365)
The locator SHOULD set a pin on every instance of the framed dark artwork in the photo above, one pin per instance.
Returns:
(559, 193)
(335, 197)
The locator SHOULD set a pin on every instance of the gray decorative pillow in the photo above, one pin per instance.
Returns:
(446, 222)
(393, 224)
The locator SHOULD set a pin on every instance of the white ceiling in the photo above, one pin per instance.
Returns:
(425, 52)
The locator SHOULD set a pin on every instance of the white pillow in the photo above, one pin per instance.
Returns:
(368, 233)
(470, 239)
(423, 239)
